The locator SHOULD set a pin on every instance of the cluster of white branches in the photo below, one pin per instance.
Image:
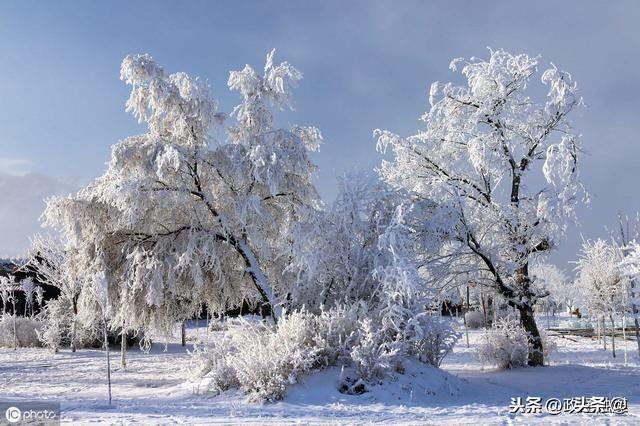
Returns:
(604, 287)
(605, 277)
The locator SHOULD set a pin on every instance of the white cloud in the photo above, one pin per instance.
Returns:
(14, 166)
(21, 204)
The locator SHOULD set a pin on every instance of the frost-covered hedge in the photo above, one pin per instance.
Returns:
(507, 346)
(262, 359)
(26, 331)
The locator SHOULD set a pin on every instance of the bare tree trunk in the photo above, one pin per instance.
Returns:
(604, 334)
(73, 334)
(15, 326)
(625, 236)
(15, 332)
(198, 326)
(123, 348)
(613, 336)
(624, 337)
(536, 354)
(183, 333)
(466, 328)
(528, 319)
(634, 310)
(598, 330)
(106, 347)
(635, 322)
(207, 334)
(484, 309)
(495, 314)
(74, 325)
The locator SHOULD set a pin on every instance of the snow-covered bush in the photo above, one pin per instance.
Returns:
(62, 328)
(505, 345)
(54, 325)
(262, 359)
(363, 298)
(268, 358)
(212, 361)
(430, 338)
(373, 357)
(474, 319)
(23, 329)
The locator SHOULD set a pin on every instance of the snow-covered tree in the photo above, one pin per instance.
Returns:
(552, 280)
(29, 290)
(47, 257)
(504, 164)
(627, 235)
(630, 269)
(192, 212)
(604, 287)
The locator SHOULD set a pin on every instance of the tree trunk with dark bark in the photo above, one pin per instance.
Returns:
(528, 320)
(123, 348)
(106, 348)
(536, 355)
(613, 336)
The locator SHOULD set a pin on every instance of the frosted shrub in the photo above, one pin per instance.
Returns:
(56, 324)
(262, 359)
(474, 319)
(505, 345)
(26, 331)
(212, 361)
(336, 332)
(430, 338)
(373, 357)
(62, 328)
(268, 358)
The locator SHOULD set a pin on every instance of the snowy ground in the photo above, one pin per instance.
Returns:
(153, 389)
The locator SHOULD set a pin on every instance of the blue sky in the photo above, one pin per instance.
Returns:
(367, 65)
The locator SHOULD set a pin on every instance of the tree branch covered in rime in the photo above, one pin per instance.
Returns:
(199, 210)
(503, 164)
